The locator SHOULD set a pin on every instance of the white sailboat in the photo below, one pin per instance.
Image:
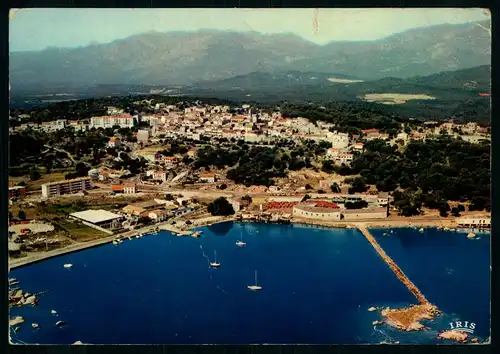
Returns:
(214, 264)
(240, 242)
(255, 287)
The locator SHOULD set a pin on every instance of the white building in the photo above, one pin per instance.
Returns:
(207, 177)
(338, 140)
(345, 158)
(474, 221)
(123, 121)
(70, 186)
(142, 136)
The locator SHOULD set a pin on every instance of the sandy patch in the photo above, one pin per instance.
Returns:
(395, 98)
(342, 81)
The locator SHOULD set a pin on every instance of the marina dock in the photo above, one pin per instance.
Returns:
(394, 267)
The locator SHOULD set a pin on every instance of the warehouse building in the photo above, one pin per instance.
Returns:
(318, 210)
(100, 219)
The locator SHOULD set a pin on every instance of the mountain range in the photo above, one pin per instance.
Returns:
(197, 58)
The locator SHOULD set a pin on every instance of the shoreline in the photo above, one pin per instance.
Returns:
(370, 223)
(76, 247)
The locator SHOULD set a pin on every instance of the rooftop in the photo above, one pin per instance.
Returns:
(95, 216)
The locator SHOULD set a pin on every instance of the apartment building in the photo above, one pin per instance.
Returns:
(70, 186)
(123, 121)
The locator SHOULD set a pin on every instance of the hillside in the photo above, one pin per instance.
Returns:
(448, 85)
(181, 58)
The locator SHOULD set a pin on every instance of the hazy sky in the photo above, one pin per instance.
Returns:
(36, 29)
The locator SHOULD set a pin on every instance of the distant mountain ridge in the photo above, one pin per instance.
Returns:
(448, 85)
(184, 58)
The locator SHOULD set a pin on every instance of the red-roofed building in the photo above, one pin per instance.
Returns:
(370, 132)
(114, 142)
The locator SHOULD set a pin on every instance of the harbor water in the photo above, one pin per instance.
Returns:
(317, 285)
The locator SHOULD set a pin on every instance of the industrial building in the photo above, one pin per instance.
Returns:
(70, 186)
(319, 210)
(99, 219)
(356, 214)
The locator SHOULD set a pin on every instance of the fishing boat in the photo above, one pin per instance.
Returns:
(240, 242)
(255, 287)
(214, 264)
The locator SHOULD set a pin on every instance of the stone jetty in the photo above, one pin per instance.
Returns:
(407, 319)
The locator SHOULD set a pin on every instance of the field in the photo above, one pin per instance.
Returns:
(149, 150)
(79, 231)
(395, 98)
(343, 81)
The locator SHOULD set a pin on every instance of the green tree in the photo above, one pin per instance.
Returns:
(35, 174)
(21, 215)
(220, 206)
(335, 187)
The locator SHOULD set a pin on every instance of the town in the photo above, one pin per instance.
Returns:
(170, 186)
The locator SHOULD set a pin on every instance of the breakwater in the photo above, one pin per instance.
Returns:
(394, 267)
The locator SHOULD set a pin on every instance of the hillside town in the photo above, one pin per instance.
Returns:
(172, 192)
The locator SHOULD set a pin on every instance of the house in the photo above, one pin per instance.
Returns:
(345, 158)
(207, 177)
(370, 132)
(160, 175)
(142, 136)
(332, 152)
(191, 153)
(158, 215)
(114, 142)
(127, 188)
(358, 147)
(133, 210)
(383, 199)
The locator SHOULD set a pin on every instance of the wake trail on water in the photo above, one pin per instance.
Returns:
(387, 338)
(210, 270)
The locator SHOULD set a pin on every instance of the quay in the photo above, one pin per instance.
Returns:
(394, 267)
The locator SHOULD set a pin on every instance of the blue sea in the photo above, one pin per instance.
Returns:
(317, 285)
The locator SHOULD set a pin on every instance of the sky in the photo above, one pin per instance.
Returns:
(37, 29)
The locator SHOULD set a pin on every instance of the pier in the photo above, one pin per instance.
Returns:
(394, 267)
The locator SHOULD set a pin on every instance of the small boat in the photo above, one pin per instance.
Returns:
(35, 325)
(255, 287)
(53, 312)
(60, 323)
(115, 242)
(421, 230)
(14, 283)
(17, 329)
(12, 280)
(240, 242)
(214, 264)
(68, 265)
(471, 235)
